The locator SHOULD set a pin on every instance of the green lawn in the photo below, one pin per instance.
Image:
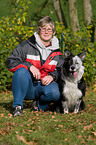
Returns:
(39, 128)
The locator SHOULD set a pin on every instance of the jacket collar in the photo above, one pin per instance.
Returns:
(32, 40)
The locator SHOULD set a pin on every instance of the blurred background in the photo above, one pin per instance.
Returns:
(45, 7)
(4, 8)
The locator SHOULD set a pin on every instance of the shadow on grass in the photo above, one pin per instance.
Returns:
(9, 105)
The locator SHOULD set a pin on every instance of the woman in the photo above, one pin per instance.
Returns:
(36, 65)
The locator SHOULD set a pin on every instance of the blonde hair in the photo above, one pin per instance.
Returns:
(45, 21)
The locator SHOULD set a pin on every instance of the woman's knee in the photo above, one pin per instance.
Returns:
(55, 94)
(21, 73)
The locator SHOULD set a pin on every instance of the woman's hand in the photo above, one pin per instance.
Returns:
(47, 80)
(35, 72)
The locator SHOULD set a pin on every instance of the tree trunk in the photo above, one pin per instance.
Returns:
(59, 12)
(74, 22)
(57, 9)
(87, 9)
(63, 16)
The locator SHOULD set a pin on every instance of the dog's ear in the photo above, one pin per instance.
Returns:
(82, 55)
(67, 53)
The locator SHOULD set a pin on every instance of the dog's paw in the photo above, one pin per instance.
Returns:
(66, 111)
(76, 110)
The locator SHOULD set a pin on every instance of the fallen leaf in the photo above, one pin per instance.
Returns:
(4, 131)
(53, 116)
(55, 113)
(60, 125)
(33, 128)
(79, 136)
(2, 115)
(10, 115)
(28, 125)
(87, 127)
(16, 132)
(65, 139)
(89, 137)
(94, 133)
(26, 130)
(21, 138)
(43, 135)
(39, 127)
(82, 142)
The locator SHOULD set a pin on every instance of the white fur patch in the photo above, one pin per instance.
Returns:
(71, 92)
(78, 66)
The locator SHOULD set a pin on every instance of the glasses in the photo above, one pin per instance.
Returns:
(44, 30)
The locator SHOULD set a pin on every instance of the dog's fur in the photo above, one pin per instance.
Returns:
(72, 85)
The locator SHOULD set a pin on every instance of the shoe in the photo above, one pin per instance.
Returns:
(17, 111)
(35, 106)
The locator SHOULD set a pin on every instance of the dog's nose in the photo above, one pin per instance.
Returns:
(72, 67)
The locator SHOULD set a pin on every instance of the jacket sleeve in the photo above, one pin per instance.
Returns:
(56, 74)
(17, 58)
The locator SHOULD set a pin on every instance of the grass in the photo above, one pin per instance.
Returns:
(47, 128)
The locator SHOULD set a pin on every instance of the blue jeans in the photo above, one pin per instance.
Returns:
(24, 89)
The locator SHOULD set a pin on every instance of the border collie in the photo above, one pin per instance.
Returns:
(72, 85)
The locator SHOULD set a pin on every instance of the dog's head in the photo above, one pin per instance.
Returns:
(73, 64)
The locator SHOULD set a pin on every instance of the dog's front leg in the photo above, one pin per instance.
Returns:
(77, 106)
(65, 106)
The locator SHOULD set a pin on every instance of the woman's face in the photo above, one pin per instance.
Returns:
(46, 33)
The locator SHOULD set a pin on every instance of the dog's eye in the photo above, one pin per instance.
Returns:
(77, 63)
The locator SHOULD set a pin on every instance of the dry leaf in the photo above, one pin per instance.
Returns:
(28, 125)
(79, 136)
(65, 139)
(55, 113)
(89, 137)
(60, 125)
(82, 142)
(21, 138)
(39, 127)
(10, 115)
(53, 116)
(87, 127)
(16, 132)
(94, 133)
(2, 115)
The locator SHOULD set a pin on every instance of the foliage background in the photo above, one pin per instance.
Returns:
(44, 7)
(20, 23)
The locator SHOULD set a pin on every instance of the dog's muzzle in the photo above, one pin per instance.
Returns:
(73, 71)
